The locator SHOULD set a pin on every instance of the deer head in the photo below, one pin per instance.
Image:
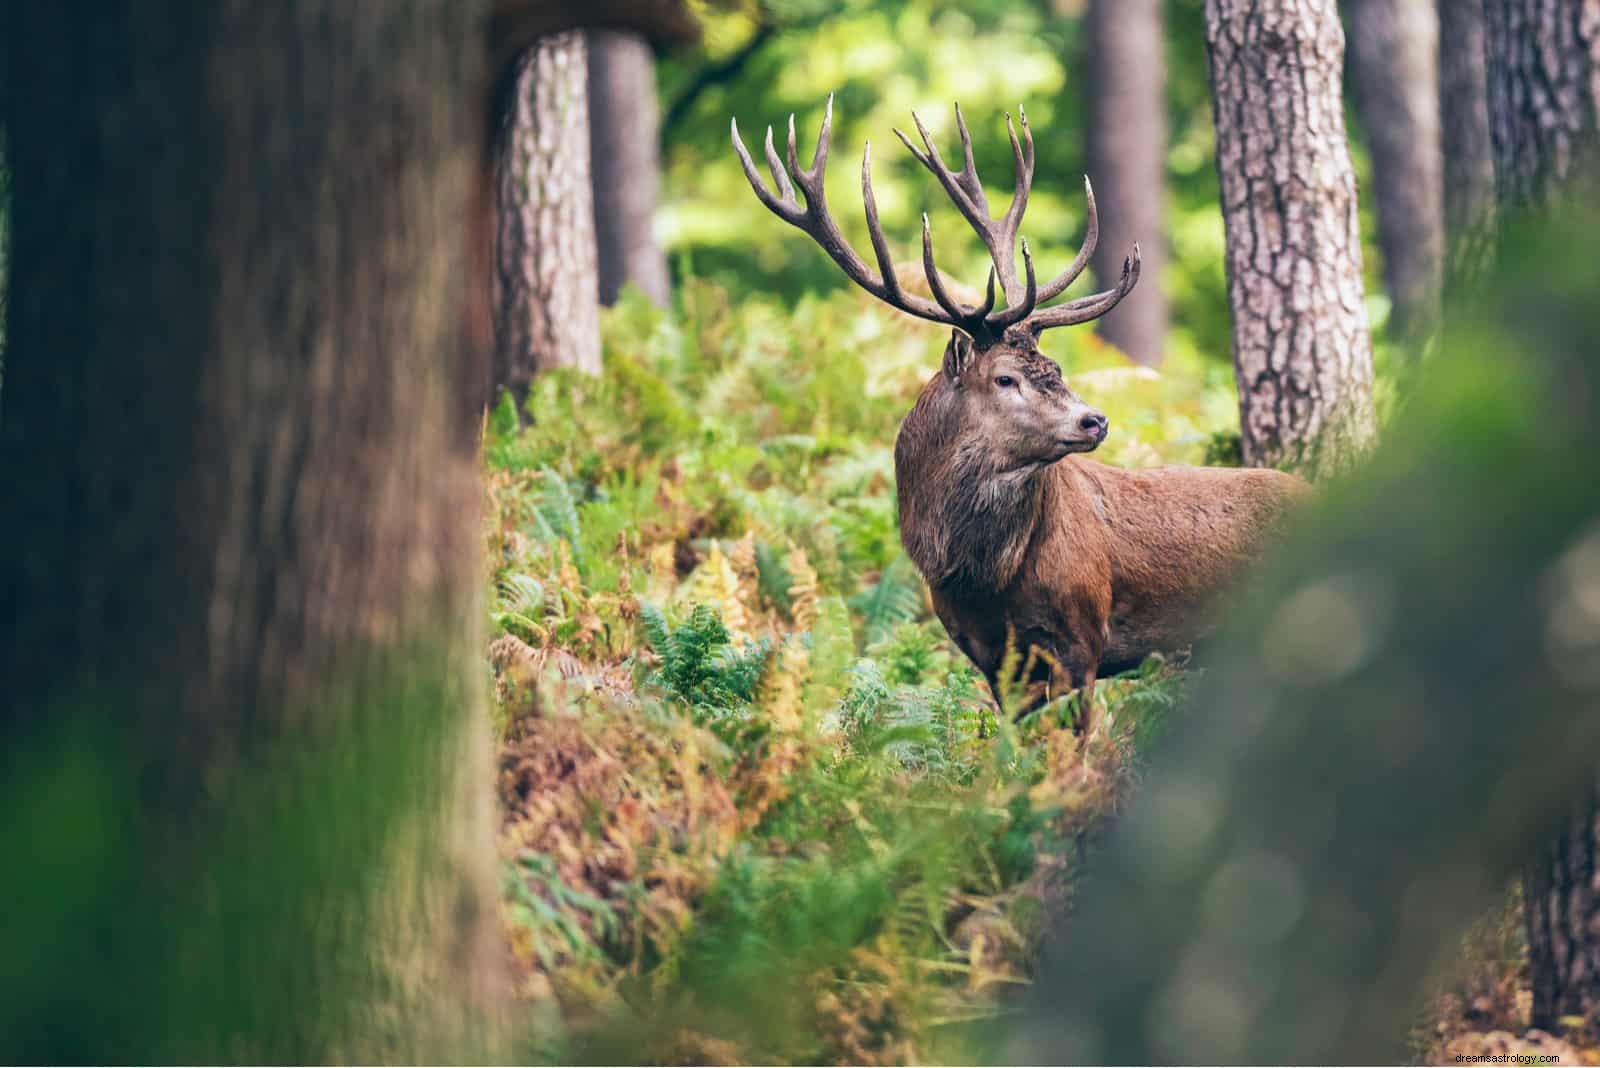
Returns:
(998, 385)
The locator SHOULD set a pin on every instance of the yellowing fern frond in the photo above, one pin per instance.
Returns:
(803, 589)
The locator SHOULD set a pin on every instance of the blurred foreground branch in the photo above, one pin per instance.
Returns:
(1399, 714)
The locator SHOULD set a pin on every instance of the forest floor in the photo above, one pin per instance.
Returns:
(755, 807)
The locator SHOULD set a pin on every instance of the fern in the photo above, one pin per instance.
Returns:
(557, 511)
(700, 668)
(895, 598)
(520, 607)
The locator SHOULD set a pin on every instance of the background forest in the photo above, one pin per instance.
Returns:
(595, 511)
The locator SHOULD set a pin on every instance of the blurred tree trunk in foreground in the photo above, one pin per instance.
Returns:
(1464, 128)
(1389, 724)
(546, 292)
(1544, 87)
(625, 155)
(1127, 159)
(1302, 353)
(1394, 50)
(246, 770)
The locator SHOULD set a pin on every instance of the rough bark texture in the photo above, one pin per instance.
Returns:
(1544, 91)
(1301, 348)
(1544, 88)
(1469, 194)
(1562, 898)
(1394, 48)
(625, 154)
(240, 539)
(546, 294)
(1127, 155)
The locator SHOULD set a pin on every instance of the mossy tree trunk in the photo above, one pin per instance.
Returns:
(625, 154)
(1127, 154)
(1394, 73)
(546, 290)
(1544, 114)
(246, 758)
(1302, 352)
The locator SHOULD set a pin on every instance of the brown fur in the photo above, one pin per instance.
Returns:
(1091, 566)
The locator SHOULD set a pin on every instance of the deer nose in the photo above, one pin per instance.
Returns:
(1095, 425)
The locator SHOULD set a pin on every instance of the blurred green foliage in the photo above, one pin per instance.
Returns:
(762, 61)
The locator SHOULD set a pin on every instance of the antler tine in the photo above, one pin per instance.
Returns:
(1030, 296)
(957, 312)
(1090, 307)
(880, 244)
(785, 209)
(968, 178)
(814, 219)
(780, 174)
(1091, 238)
(1024, 170)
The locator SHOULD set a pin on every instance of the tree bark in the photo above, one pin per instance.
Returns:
(1544, 91)
(1127, 155)
(1464, 136)
(1394, 49)
(1562, 898)
(240, 546)
(546, 292)
(625, 154)
(1301, 348)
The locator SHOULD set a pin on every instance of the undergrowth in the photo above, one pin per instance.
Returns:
(756, 806)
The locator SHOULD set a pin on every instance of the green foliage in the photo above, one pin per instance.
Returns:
(700, 668)
(780, 818)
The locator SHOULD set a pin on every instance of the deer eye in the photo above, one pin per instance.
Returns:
(1005, 381)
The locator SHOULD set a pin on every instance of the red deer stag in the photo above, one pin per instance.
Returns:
(1088, 568)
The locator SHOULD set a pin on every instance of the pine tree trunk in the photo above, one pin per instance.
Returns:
(1394, 49)
(1562, 898)
(546, 293)
(246, 758)
(1464, 136)
(1127, 154)
(625, 154)
(1301, 348)
(1544, 91)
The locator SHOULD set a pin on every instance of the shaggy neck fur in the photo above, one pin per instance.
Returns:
(963, 523)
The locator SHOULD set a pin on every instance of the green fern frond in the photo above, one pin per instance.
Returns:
(896, 598)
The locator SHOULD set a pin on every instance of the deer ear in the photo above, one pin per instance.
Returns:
(957, 355)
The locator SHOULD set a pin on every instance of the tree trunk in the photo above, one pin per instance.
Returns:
(1464, 127)
(1544, 89)
(1562, 898)
(625, 154)
(246, 770)
(1394, 49)
(546, 293)
(1127, 154)
(1302, 352)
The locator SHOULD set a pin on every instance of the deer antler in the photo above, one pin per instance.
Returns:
(965, 190)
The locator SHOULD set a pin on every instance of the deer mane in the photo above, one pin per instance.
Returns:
(962, 522)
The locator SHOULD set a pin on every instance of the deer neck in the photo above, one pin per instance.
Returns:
(964, 524)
